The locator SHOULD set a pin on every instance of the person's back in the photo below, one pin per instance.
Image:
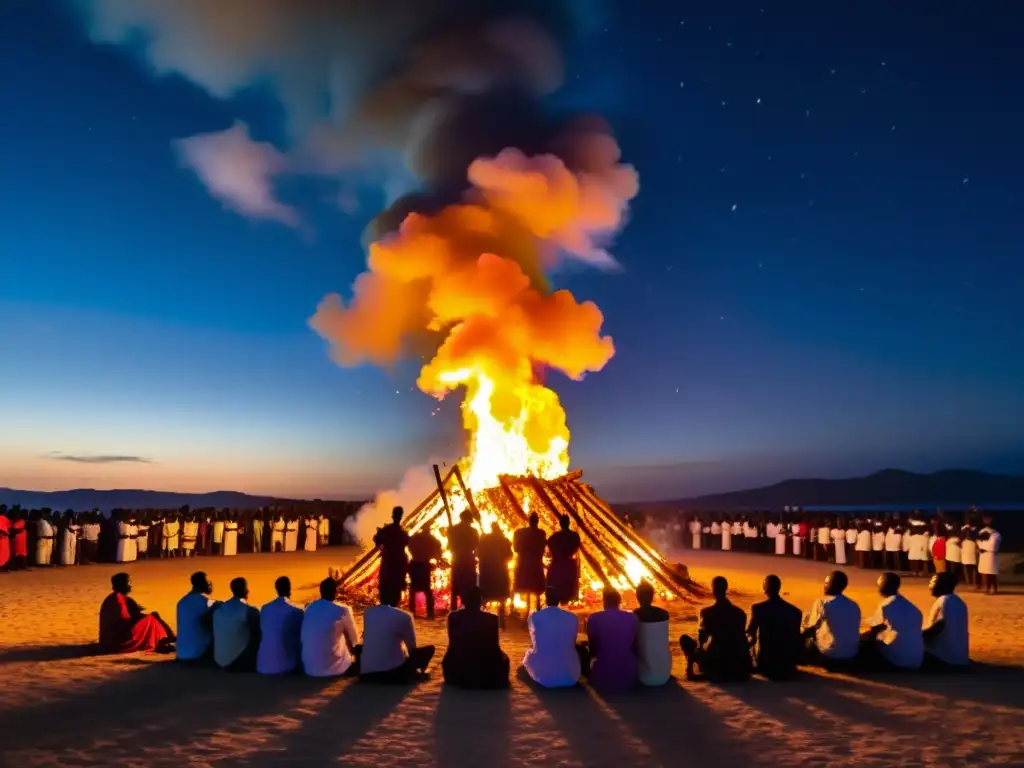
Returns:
(775, 625)
(612, 636)
(901, 641)
(836, 619)
(280, 642)
(236, 631)
(552, 660)
(325, 651)
(654, 657)
(386, 631)
(727, 651)
(474, 658)
(195, 638)
(947, 634)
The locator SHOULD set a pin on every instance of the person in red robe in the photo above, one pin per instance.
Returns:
(529, 544)
(564, 571)
(19, 541)
(5, 537)
(124, 628)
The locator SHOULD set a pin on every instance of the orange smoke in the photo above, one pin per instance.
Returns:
(472, 276)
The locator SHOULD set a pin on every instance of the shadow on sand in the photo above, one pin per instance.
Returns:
(51, 653)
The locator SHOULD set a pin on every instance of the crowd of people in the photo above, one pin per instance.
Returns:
(621, 649)
(41, 538)
(967, 549)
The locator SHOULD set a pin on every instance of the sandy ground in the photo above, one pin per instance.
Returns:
(60, 706)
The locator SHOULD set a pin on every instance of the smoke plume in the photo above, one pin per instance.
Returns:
(416, 485)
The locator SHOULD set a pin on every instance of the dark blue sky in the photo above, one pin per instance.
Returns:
(823, 271)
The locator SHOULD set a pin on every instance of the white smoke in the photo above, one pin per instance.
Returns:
(416, 485)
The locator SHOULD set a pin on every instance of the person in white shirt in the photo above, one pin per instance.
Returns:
(329, 635)
(893, 542)
(389, 652)
(230, 536)
(291, 534)
(989, 543)
(277, 529)
(969, 554)
(918, 547)
(839, 543)
(312, 526)
(195, 634)
(89, 545)
(947, 637)
(862, 545)
(832, 627)
(878, 544)
(280, 651)
(823, 551)
(236, 631)
(953, 561)
(695, 529)
(726, 536)
(553, 660)
(654, 654)
(895, 639)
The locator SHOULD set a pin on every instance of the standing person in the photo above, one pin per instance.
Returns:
(946, 636)
(328, 634)
(19, 541)
(894, 640)
(781, 534)
(726, 535)
(893, 545)
(392, 540)
(236, 631)
(464, 544)
(495, 581)
(312, 533)
(89, 543)
(45, 535)
(189, 536)
(723, 630)
(142, 535)
(564, 570)
(832, 626)
(989, 543)
(5, 537)
(171, 535)
(737, 534)
(695, 532)
(277, 532)
(125, 539)
(878, 544)
(969, 554)
(918, 546)
(281, 621)
(425, 552)
(257, 531)
(824, 542)
(800, 547)
(954, 564)
(218, 533)
(774, 633)
(939, 548)
(716, 534)
(851, 539)
(905, 546)
(529, 544)
(291, 533)
(750, 534)
(323, 530)
(838, 534)
(862, 545)
(230, 541)
(69, 539)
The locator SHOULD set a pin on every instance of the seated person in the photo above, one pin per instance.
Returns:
(280, 628)
(726, 657)
(946, 638)
(236, 631)
(654, 657)
(328, 635)
(554, 659)
(895, 641)
(195, 622)
(832, 628)
(611, 641)
(474, 658)
(389, 651)
(124, 628)
(774, 633)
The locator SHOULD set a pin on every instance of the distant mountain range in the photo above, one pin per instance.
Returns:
(889, 487)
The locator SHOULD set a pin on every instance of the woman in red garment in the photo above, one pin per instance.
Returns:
(5, 537)
(19, 541)
(124, 628)
(564, 570)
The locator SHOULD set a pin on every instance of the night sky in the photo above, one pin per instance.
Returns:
(822, 273)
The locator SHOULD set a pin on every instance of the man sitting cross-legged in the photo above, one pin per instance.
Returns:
(831, 629)
(280, 633)
(720, 653)
(389, 652)
(329, 635)
(474, 658)
(124, 628)
(946, 638)
(554, 659)
(236, 631)
(774, 633)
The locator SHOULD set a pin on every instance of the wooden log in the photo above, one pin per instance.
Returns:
(444, 494)
(466, 492)
(517, 508)
(585, 529)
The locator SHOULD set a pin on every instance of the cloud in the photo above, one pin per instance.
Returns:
(96, 459)
(239, 172)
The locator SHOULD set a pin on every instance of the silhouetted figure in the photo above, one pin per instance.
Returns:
(474, 658)
(720, 653)
(946, 636)
(124, 628)
(236, 631)
(529, 544)
(774, 633)
(495, 581)
(464, 543)
(989, 543)
(394, 562)
(19, 541)
(425, 552)
(195, 621)
(564, 570)
(5, 537)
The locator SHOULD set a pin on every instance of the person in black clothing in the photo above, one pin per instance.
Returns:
(394, 562)
(774, 633)
(529, 544)
(424, 552)
(474, 658)
(464, 543)
(720, 652)
(495, 555)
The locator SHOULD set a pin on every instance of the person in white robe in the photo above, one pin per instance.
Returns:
(727, 536)
(291, 535)
(862, 546)
(969, 554)
(918, 547)
(780, 538)
(839, 543)
(329, 635)
(737, 534)
(946, 632)
(277, 531)
(218, 534)
(794, 534)
(69, 541)
(893, 543)
(878, 544)
(230, 537)
(189, 536)
(905, 549)
(695, 531)
(125, 541)
(954, 564)
(171, 536)
(45, 534)
(280, 633)
(824, 542)
(851, 536)
(989, 543)
(142, 538)
(312, 532)
(323, 530)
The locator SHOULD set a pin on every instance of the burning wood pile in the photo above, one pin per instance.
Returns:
(612, 554)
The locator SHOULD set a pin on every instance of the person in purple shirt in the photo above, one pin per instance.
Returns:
(611, 640)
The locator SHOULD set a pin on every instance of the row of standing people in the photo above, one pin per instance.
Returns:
(970, 551)
(43, 538)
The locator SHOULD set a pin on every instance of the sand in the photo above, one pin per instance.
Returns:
(63, 707)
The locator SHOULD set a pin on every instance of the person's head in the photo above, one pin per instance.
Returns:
(397, 514)
(240, 588)
(611, 599)
(563, 521)
(552, 597)
(201, 584)
(472, 598)
(942, 584)
(719, 587)
(494, 529)
(888, 584)
(835, 583)
(645, 594)
(121, 583)
(283, 585)
(329, 589)
(772, 585)
(534, 520)
(390, 595)
(987, 519)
